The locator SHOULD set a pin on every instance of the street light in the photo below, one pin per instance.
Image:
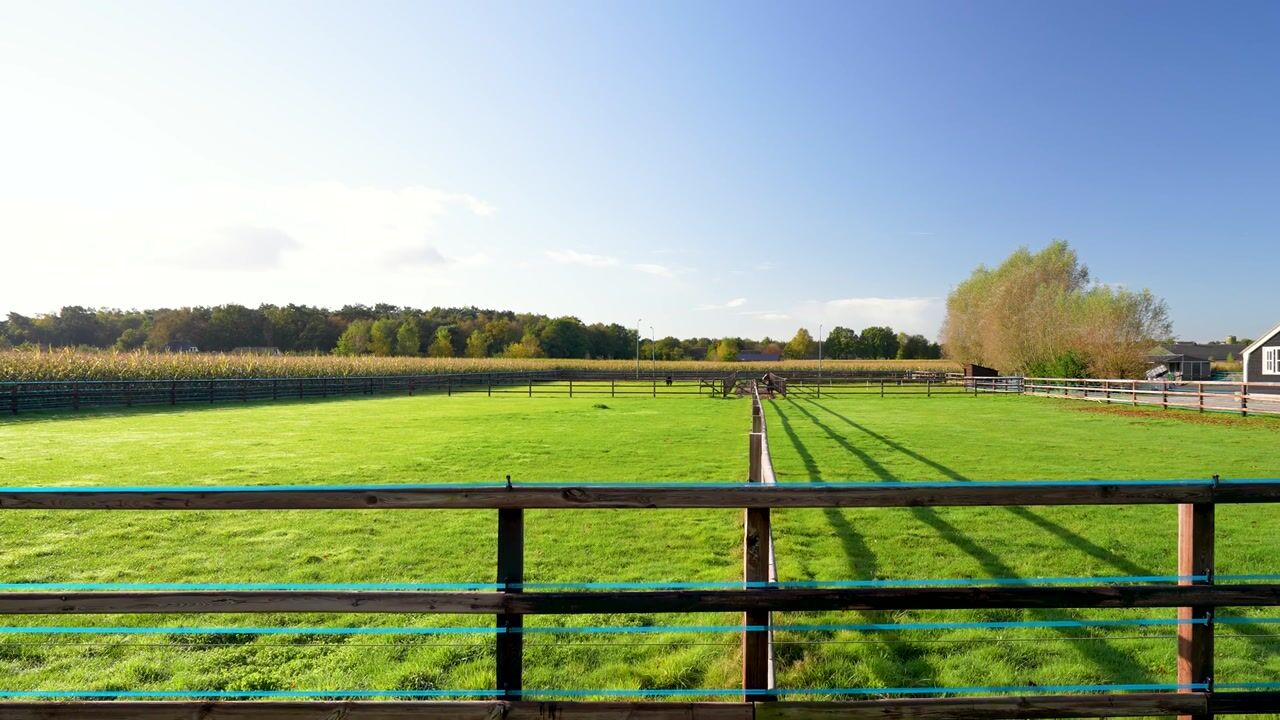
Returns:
(638, 348)
(653, 352)
(819, 358)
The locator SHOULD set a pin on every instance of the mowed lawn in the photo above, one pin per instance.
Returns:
(475, 438)
(1012, 438)
(420, 439)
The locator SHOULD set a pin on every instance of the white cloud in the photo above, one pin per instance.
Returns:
(909, 314)
(573, 257)
(654, 269)
(244, 247)
(295, 240)
(766, 314)
(734, 303)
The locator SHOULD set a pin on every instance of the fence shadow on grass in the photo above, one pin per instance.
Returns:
(1119, 562)
(1107, 658)
(862, 563)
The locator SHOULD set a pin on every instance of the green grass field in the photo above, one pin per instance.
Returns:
(475, 438)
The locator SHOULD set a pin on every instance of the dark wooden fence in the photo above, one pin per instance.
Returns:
(510, 605)
(20, 397)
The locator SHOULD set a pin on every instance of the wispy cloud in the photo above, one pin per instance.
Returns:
(734, 303)
(428, 256)
(241, 247)
(654, 269)
(573, 257)
(767, 314)
(911, 314)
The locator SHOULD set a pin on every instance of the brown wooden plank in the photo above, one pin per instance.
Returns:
(1195, 557)
(755, 568)
(510, 649)
(989, 708)
(654, 601)
(639, 497)
(373, 710)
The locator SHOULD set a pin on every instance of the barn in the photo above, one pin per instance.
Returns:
(1262, 358)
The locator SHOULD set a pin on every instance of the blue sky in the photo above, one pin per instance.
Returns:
(712, 168)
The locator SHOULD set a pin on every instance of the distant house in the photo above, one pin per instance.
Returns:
(759, 357)
(180, 347)
(1188, 360)
(256, 351)
(1261, 360)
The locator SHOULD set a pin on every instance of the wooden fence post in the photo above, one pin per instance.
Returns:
(1200, 396)
(1244, 400)
(755, 569)
(510, 642)
(530, 387)
(882, 388)
(612, 382)
(570, 388)
(1195, 558)
(13, 399)
(75, 396)
(1133, 387)
(210, 391)
(1164, 394)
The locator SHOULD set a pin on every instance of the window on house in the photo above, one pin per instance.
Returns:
(1271, 361)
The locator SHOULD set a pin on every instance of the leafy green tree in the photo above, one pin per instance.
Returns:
(878, 343)
(801, 346)
(442, 345)
(382, 336)
(528, 347)
(564, 337)
(408, 338)
(726, 350)
(478, 344)
(841, 344)
(355, 339)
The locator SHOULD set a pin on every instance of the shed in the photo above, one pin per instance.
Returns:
(973, 370)
(1188, 360)
(1261, 360)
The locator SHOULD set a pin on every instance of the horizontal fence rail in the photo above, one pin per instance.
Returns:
(622, 495)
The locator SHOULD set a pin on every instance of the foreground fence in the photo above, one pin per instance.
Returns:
(1197, 594)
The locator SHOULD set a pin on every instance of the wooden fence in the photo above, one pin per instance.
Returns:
(1196, 599)
(1255, 398)
(1196, 595)
(26, 396)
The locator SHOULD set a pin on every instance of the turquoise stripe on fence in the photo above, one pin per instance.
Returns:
(654, 585)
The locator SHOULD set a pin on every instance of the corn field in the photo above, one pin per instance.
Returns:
(70, 364)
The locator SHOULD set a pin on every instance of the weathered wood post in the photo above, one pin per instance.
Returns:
(510, 642)
(1133, 387)
(882, 388)
(128, 394)
(13, 399)
(1164, 394)
(275, 389)
(210, 391)
(1200, 396)
(1195, 558)
(530, 387)
(75, 396)
(1244, 400)
(755, 569)
(570, 387)
(612, 382)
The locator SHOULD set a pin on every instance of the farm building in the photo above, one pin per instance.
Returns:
(1189, 361)
(1262, 359)
(759, 357)
(180, 347)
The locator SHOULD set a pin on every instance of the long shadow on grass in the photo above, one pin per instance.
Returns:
(1101, 654)
(862, 564)
(1121, 563)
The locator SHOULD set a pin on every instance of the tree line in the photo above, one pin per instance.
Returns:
(438, 332)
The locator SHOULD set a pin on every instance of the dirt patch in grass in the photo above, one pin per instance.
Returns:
(1188, 416)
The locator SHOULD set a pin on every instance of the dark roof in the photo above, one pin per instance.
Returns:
(1198, 351)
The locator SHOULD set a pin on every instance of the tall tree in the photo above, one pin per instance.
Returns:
(801, 346)
(841, 344)
(408, 337)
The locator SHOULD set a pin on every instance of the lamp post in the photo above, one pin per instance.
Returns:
(638, 348)
(653, 352)
(819, 359)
